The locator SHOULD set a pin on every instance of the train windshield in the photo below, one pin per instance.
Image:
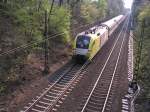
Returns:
(83, 42)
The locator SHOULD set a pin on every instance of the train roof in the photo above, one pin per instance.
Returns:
(110, 22)
(93, 35)
(101, 29)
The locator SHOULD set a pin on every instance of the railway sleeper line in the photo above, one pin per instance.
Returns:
(56, 92)
(58, 105)
(94, 102)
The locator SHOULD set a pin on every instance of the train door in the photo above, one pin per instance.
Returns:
(106, 35)
(103, 39)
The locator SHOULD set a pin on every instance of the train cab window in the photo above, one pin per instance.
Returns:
(83, 42)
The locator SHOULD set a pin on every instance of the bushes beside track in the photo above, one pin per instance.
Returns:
(143, 76)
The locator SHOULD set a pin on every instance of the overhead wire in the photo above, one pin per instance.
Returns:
(32, 43)
(49, 37)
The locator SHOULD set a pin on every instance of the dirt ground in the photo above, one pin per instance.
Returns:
(32, 81)
(75, 100)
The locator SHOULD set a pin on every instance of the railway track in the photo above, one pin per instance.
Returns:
(99, 98)
(55, 91)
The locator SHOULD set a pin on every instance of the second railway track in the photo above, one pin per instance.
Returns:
(101, 92)
(99, 99)
(55, 91)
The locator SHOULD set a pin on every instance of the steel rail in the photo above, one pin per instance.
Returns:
(38, 42)
(61, 93)
(84, 107)
(50, 87)
(69, 85)
(118, 58)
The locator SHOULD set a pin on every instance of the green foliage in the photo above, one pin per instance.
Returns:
(29, 17)
(46, 5)
(24, 22)
(89, 12)
(143, 14)
(29, 22)
(94, 10)
(102, 7)
(2, 88)
(115, 7)
(60, 22)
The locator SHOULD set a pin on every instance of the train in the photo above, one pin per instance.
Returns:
(88, 43)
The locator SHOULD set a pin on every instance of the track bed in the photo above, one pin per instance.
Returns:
(97, 87)
(76, 101)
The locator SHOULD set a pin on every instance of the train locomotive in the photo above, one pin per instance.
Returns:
(88, 43)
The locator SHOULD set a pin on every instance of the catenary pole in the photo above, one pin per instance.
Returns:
(46, 44)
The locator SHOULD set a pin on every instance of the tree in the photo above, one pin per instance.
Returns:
(115, 7)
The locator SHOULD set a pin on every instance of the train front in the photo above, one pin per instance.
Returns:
(81, 48)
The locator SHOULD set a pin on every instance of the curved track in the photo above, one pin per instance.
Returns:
(99, 99)
(56, 90)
